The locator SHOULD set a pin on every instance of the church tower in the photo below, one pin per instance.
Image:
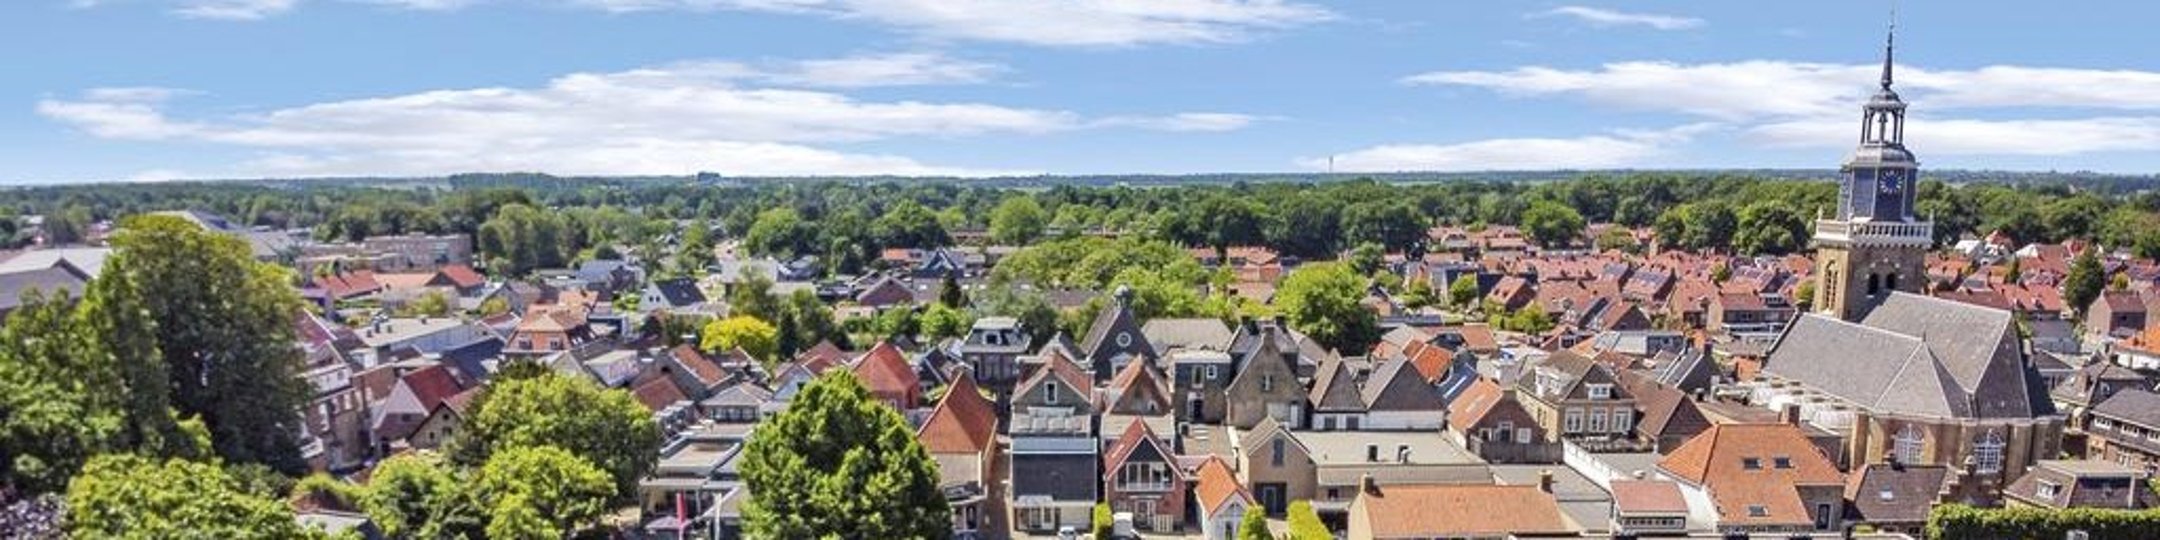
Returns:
(1875, 245)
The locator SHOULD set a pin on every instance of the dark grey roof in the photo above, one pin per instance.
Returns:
(1396, 385)
(2135, 405)
(1688, 369)
(1874, 368)
(1978, 345)
(470, 360)
(57, 280)
(1892, 493)
(1916, 355)
(1062, 476)
(679, 292)
(1335, 389)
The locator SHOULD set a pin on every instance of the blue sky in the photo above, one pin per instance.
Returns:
(159, 89)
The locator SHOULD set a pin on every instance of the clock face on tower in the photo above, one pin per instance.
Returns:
(1891, 181)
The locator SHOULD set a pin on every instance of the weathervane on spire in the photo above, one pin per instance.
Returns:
(1889, 46)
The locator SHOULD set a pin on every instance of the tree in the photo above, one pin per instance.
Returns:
(695, 251)
(1710, 225)
(1618, 238)
(1254, 526)
(842, 465)
(940, 321)
(429, 304)
(780, 232)
(1531, 319)
(1102, 524)
(1305, 523)
(415, 495)
(127, 496)
(1366, 258)
(1418, 294)
(1770, 228)
(1031, 308)
(565, 491)
(603, 426)
(494, 305)
(1463, 292)
(1395, 225)
(753, 297)
(1552, 224)
(1017, 221)
(909, 225)
(1308, 227)
(1323, 300)
(751, 334)
(949, 293)
(2085, 281)
(522, 238)
(49, 424)
(223, 330)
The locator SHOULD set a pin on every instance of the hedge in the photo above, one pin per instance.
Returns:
(1104, 523)
(1963, 521)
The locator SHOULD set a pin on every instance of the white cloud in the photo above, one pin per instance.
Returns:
(898, 69)
(1605, 18)
(668, 120)
(1061, 23)
(233, 10)
(1185, 122)
(1619, 149)
(1817, 105)
(1964, 137)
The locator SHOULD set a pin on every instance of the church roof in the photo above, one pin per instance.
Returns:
(1913, 354)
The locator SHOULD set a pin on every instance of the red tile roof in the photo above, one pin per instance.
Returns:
(658, 393)
(1449, 510)
(463, 277)
(962, 423)
(1655, 496)
(349, 284)
(885, 371)
(1720, 460)
(1215, 484)
(432, 384)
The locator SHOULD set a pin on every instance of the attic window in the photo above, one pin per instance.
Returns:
(1888, 495)
(1600, 391)
(2048, 490)
(1050, 394)
(1757, 510)
(1781, 462)
(1752, 464)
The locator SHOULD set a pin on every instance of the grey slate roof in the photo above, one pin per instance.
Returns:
(52, 281)
(1064, 469)
(2134, 405)
(1917, 355)
(1200, 333)
(679, 292)
(1334, 389)
(1396, 386)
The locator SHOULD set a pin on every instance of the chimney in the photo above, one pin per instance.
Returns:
(1365, 485)
(1545, 480)
(1790, 414)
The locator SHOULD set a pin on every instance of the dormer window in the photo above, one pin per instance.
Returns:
(2048, 490)
(1781, 462)
(1600, 391)
(1752, 464)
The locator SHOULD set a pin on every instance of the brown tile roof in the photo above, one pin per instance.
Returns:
(1136, 433)
(405, 281)
(1653, 496)
(1719, 459)
(432, 385)
(1431, 360)
(962, 423)
(1475, 401)
(824, 350)
(1055, 364)
(1215, 484)
(703, 367)
(658, 393)
(349, 284)
(1138, 376)
(462, 276)
(1462, 510)
(885, 370)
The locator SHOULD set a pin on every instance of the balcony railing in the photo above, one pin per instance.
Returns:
(1876, 232)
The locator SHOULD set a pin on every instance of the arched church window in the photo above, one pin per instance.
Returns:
(1906, 446)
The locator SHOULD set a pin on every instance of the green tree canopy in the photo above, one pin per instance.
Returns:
(416, 495)
(603, 426)
(224, 331)
(564, 490)
(752, 335)
(1018, 220)
(2087, 278)
(127, 496)
(1552, 224)
(1323, 300)
(839, 464)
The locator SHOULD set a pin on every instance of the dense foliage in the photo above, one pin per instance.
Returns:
(844, 465)
(1305, 523)
(1962, 521)
(126, 496)
(605, 427)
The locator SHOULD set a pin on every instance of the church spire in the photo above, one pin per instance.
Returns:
(1889, 48)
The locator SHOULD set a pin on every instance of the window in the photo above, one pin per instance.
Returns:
(1275, 457)
(1757, 510)
(1623, 419)
(1751, 463)
(1050, 393)
(1781, 462)
(1887, 495)
(1485, 434)
(2047, 490)
(1600, 391)
(1522, 435)
(1597, 420)
(1124, 339)
(1987, 452)
(1574, 421)
(1210, 372)
(1507, 426)
(1907, 444)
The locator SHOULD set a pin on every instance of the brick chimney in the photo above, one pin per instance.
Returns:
(1545, 481)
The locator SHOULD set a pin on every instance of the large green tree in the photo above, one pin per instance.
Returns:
(127, 496)
(416, 495)
(1323, 300)
(603, 426)
(223, 331)
(1770, 228)
(2087, 278)
(840, 464)
(564, 490)
(1552, 224)
(1018, 221)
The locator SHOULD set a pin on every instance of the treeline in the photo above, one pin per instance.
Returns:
(524, 222)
